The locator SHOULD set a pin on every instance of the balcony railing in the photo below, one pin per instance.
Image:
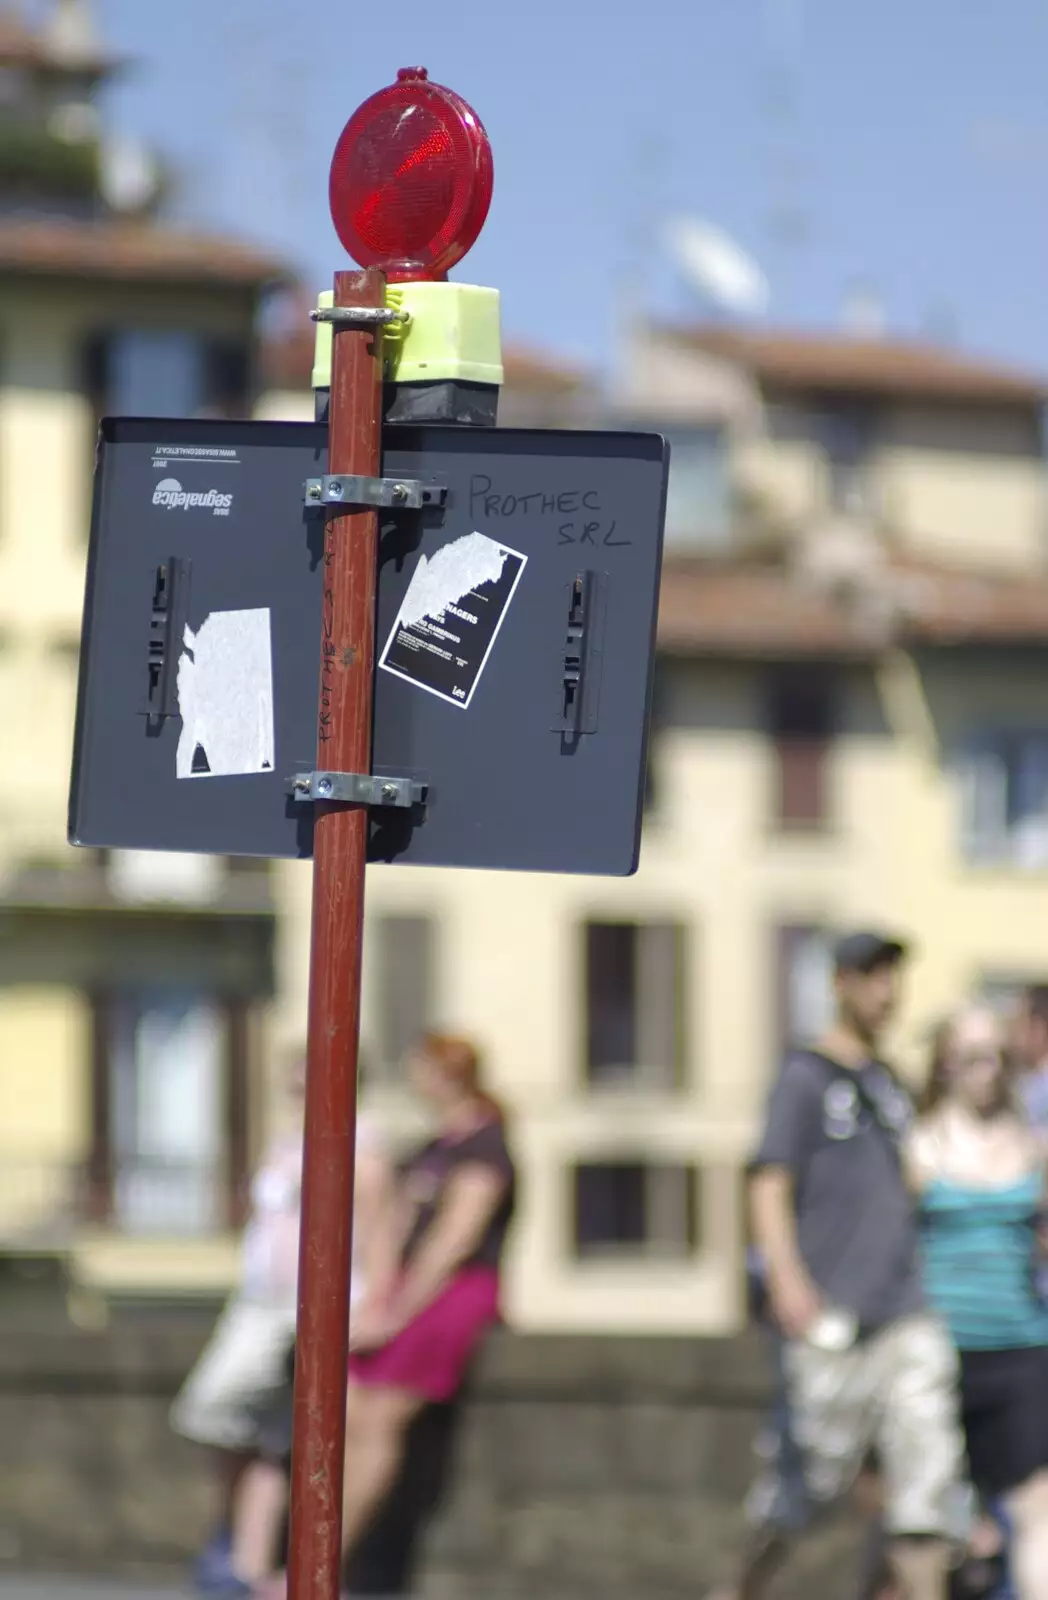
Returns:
(167, 1197)
(43, 1201)
(39, 1199)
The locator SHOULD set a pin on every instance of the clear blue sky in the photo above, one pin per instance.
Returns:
(911, 135)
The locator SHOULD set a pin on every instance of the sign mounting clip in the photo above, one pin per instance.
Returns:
(340, 489)
(357, 789)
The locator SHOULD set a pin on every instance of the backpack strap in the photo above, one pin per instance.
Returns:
(893, 1126)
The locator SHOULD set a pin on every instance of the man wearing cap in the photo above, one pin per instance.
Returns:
(864, 1365)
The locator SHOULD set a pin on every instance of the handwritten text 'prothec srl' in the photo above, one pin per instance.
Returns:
(577, 511)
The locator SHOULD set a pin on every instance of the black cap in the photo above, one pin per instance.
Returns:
(863, 952)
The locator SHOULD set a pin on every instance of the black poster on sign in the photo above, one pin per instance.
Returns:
(451, 614)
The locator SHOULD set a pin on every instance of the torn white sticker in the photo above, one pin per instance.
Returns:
(451, 615)
(225, 696)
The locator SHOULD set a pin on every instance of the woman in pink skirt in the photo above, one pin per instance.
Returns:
(413, 1346)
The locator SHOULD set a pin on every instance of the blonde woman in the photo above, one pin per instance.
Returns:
(978, 1171)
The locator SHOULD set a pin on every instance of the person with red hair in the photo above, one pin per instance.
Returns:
(413, 1346)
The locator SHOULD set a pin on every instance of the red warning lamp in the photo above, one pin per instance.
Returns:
(411, 179)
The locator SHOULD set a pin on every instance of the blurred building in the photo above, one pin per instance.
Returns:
(849, 728)
(131, 986)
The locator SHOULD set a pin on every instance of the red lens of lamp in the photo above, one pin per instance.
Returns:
(411, 179)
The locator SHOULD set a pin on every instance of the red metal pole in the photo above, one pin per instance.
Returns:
(339, 853)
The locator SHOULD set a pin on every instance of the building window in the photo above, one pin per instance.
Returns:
(169, 1149)
(14, 90)
(801, 716)
(804, 984)
(698, 504)
(634, 994)
(1005, 992)
(1004, 799)
(401, 976)
(139, 372)
(846, 434)
(635, 1209)
(147, 370)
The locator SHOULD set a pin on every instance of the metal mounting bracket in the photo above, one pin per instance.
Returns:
(357, 789)
(359, 316)
(343, 489)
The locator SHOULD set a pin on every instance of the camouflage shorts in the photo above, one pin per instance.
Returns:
(894, 1393)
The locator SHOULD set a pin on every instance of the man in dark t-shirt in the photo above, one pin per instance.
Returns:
(863, 1364)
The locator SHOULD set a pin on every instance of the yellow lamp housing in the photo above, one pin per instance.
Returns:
(452, 335)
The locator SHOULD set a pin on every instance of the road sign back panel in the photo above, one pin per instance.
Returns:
(515, 637)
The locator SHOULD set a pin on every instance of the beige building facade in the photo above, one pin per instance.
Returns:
(849, 727)
(849, 730)
(133, 991)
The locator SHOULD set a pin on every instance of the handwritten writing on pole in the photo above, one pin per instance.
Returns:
(327, 641)
(575, 514)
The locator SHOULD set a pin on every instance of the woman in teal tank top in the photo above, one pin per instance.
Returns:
(979, 1173)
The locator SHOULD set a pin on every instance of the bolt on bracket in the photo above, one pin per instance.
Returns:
(359, 316)
(357, 789)
(345, 489)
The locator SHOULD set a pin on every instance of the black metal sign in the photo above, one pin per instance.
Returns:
(515, 636)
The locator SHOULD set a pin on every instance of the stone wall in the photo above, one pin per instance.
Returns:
(586, 1466)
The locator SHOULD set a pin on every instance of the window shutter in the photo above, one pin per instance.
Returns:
(1030, 802)
(227, 378)
(611, 999)
(659, 1009)
(983, 775)
(406, 959)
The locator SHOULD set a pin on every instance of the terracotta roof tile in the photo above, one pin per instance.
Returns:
(944, 605)
(532, 370)
(131, 251)
(740, 608)
(834, 363)
(17, 42)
